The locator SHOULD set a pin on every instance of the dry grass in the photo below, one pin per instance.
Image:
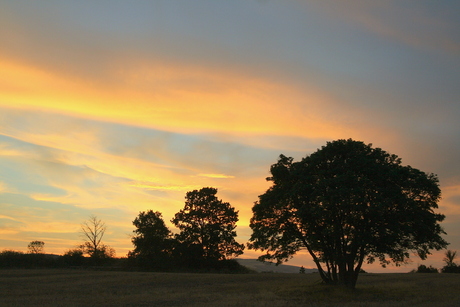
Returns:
(99, 288)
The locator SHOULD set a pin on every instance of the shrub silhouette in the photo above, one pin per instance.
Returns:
(451, 266)
(424, 269)
(73, 257)
(16, 259)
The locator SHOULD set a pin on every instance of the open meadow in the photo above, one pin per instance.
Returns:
(56, 287)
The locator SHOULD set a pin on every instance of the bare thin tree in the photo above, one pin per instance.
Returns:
(93, 231)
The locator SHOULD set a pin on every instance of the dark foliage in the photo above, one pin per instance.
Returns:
(155, 249)
(74, 257)
(451, 269)
(14, 259)
(347, 203)
(36, 247)
(426, 269)
(451, 266)
(207, 226)
(153, 243)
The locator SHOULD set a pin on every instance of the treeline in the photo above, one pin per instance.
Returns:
(450, 267)
(206, 242)
(16, 259)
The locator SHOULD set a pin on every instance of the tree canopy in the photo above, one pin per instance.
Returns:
(152, 239)
(347, 203)
(36, 247)
(208, 223)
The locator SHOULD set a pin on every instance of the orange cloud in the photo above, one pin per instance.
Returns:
(220, 176)
(149, 186)
(449, 205)
(175, 98)
(7, 217)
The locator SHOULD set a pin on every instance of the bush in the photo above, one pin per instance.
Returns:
(15, 259)
(424, 269)
(73, 257)
(10, 259)
(453, 268)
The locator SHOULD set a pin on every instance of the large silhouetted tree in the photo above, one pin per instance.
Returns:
(347, 203)
(207, 224)
(152, 240)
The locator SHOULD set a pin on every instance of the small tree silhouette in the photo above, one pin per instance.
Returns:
(36, 247)
(450, 257)
(451, 266)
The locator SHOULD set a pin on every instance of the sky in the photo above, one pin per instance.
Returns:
(110, 107)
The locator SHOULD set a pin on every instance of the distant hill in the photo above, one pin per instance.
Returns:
(267, 267)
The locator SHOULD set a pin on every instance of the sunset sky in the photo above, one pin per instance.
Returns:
(109, 108)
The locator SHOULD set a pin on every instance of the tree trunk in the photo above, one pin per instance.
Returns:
(325, 277)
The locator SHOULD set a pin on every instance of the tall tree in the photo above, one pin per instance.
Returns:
(93, 231)
(347, 203)
(208, 223)
(36, 247)
(151, 240)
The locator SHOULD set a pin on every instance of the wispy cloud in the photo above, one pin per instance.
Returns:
(415, 25)
(220, 176)
(149, 186)
(168, 98)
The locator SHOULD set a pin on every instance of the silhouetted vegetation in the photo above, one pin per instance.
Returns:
(74, 257)
(208, 224)
(426, 269)
(347, 203)
(451, 266)
(93, 231)
(205, 242)
(153, 242)
(14, 259)
(451, 269)
(36, 247)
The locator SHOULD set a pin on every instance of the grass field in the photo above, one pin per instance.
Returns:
(47, 287)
